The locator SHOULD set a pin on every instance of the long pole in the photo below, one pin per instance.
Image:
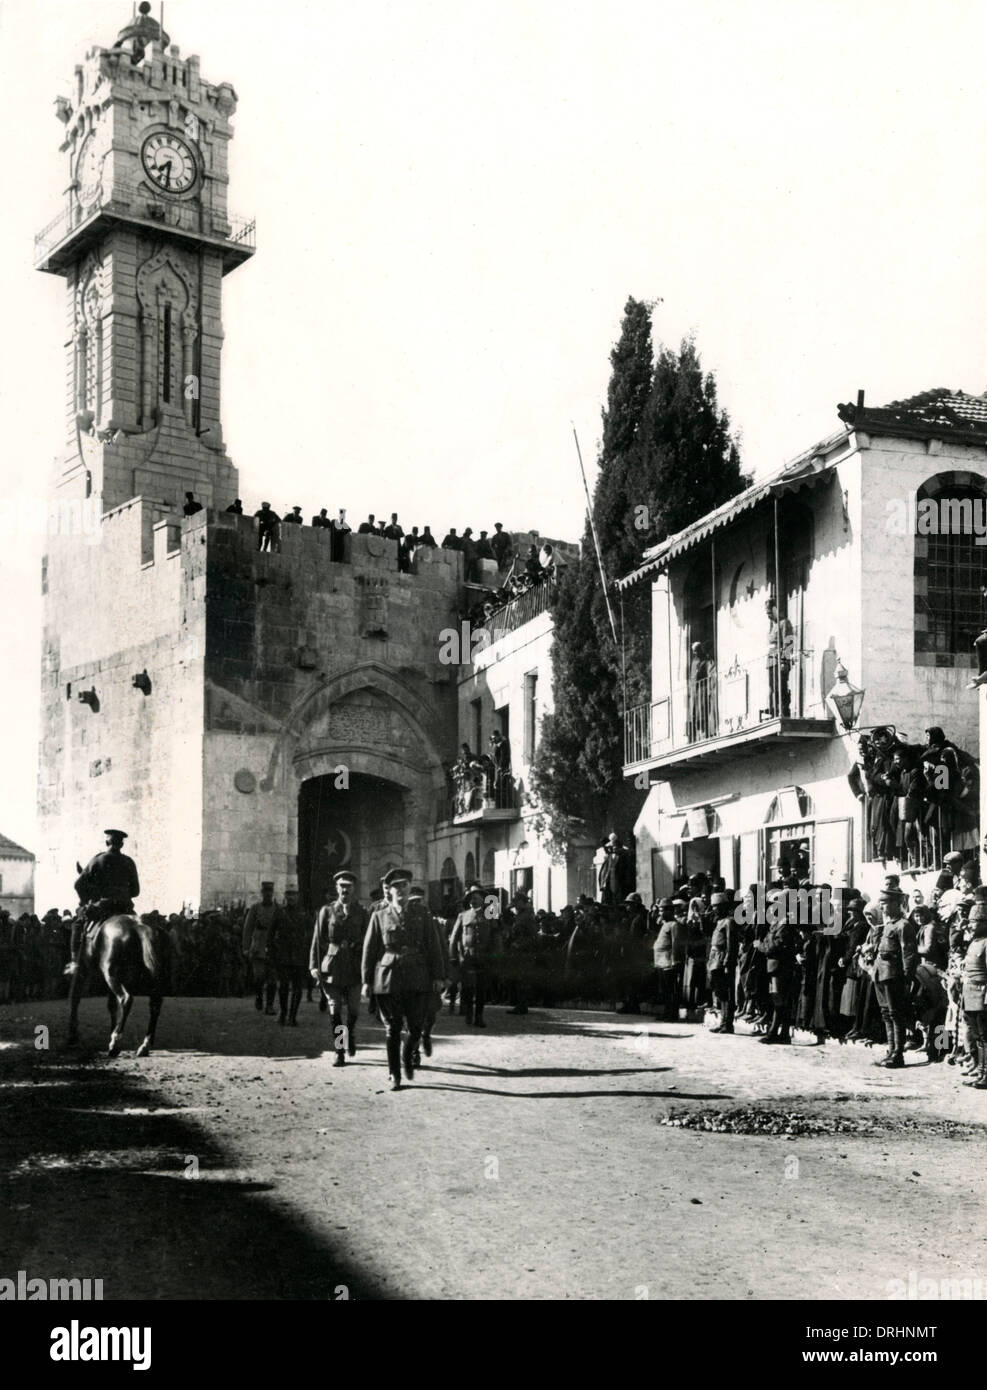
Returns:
(596, 540)
(778, 641)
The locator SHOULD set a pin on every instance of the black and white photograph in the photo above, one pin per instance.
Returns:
(493, 557)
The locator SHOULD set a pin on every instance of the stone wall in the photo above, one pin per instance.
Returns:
(317, 668)
(128, 759)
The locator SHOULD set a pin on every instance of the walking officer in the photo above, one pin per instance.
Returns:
(107, 885)
(264, 921)
(287, 953)
(402, 964)
(434, 1001)
(334, 960)
(471, 946)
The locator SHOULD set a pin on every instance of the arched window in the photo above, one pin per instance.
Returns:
(470, 869)
(950, 567)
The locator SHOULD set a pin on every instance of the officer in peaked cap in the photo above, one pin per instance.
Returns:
(402, 964)
(470, 947)
(724, 948)
(107, 885)
(894, 970)
(334, 960)
(263, 923)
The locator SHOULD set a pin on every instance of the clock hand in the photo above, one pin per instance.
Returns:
(167, 167)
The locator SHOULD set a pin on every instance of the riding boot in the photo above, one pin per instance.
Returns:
(351, 1039)
(897, 1058)
(340, 1057)
(785, 1033)
(427, 1042)
(889, 1030)
(772, 1032)
(337, 1032)
(408, 1058)
(394, 1062)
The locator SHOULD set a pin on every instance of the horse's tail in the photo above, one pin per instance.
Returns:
(156, 953)
(149, 950)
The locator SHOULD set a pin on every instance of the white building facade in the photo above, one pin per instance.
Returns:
(873, 545)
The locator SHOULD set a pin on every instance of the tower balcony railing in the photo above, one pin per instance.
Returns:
(520, 610)
(763, 696)
(123, 200)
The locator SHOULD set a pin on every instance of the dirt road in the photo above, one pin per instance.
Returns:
(526, 1161)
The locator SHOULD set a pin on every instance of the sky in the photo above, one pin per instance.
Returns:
(454, 200)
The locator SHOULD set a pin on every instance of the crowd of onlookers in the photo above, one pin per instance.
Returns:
(787, 956)
(922, 799)
(521, 572)
(497, 546)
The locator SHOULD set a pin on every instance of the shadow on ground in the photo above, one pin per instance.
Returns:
(94, 1183)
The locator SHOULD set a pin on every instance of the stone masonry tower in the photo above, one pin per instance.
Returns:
(142, 241)
(242, 714)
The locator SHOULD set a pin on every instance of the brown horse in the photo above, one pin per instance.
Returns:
(133, 959)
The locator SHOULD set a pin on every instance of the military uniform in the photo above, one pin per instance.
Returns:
(434, 1001)
(471, 946)
(401, 959)
(107, 885)
(780, 946)
(288, 955)
(335, 953)
(894, 971)
(724, 950)
(263, 922)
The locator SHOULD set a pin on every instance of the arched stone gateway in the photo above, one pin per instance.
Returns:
(365, 774)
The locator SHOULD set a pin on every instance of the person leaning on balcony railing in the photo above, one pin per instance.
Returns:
(781, 650)
(500, 751)
(700, 679)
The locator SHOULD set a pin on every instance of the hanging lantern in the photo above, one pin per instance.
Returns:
(845, 699)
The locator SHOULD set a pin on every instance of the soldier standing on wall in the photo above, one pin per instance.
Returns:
(402, 964)
(334, 960)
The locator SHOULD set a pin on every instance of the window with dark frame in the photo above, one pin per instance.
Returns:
(950, 575)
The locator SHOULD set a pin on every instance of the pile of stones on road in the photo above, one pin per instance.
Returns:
(793, 1124)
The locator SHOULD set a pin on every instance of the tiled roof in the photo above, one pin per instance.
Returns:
(10, 850)
(940, 412)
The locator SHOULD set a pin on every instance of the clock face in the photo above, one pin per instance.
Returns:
(169, 162)
(89, 170)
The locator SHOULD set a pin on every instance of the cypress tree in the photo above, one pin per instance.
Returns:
(666, 458)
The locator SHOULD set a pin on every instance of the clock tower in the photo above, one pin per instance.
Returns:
(143, 242)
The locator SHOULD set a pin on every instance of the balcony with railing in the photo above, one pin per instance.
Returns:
(79, 223)
(727, 714)
(521, 609)
(483, 800)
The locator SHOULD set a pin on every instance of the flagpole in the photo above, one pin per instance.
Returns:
(596, 540)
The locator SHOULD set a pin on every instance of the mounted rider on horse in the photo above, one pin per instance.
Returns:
(106, 886)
